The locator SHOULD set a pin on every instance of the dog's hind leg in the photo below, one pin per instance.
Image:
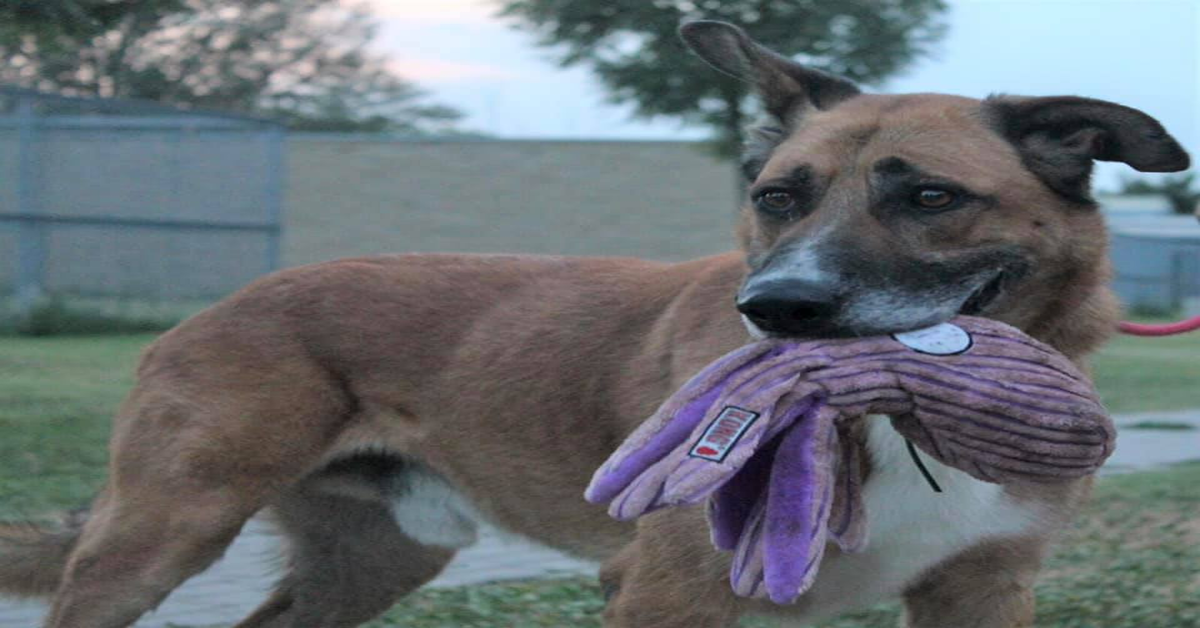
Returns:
(348, 558)
(129, 557)
(192, 458)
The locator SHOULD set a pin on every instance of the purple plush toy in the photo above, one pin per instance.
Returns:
(760, 434)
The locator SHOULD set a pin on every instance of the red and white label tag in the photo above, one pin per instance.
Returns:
(723, 433)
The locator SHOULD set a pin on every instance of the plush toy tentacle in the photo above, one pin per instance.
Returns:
(670, 426)
(746, 572)
(679, 478)
(847, 515)
(798, 502)
(695, 477)
(729, 509)
(674, 424)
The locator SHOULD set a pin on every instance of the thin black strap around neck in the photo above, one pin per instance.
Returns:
(912, 450)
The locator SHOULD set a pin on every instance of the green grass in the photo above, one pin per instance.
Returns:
(1142, 374)
(74, 316)
(57, 397)
(1130, 562)
(574, 602)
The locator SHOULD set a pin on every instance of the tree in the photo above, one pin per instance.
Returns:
(385, 105)
(304, 61)
(1177, 189)
(633, 47)
(76, 18)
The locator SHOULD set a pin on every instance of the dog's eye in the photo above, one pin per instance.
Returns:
(934, 198)
(775, 201)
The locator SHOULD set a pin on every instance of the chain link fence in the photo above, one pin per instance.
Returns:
(130, 201)
(1157, 273)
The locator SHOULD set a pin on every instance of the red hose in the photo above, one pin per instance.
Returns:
(1168, 329)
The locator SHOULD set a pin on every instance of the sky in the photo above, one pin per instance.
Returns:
(1141, 53)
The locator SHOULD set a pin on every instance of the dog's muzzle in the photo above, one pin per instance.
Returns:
(982, 297)
(788, 306)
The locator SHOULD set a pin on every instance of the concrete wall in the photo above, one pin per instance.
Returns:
(352, 196)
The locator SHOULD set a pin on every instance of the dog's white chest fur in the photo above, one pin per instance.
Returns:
(911, 527)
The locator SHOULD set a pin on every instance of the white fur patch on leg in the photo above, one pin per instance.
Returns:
(433, 512)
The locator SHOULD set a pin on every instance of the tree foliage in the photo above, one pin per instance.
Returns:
(1180, 190)
(633, 47)
(305, 61)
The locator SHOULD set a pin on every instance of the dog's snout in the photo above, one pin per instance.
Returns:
(788, 306)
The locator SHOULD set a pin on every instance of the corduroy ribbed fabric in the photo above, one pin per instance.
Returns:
(759, 434)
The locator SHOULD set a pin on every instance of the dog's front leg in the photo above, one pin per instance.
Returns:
(987, 586)
(669, 576)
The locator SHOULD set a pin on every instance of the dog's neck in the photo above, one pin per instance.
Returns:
(1082, 318)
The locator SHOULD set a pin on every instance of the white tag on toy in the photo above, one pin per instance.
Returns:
(941, 339)
(723, 433)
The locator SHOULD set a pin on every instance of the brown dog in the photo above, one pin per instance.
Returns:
(379, 407)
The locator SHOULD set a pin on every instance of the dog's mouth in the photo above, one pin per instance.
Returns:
(983, 296)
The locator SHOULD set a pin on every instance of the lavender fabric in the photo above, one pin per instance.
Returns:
(761, 435)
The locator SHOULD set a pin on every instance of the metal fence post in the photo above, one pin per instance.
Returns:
(31, 234)
(1185, 279)
(1181, 280)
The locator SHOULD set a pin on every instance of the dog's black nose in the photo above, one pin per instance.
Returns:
(788, 306)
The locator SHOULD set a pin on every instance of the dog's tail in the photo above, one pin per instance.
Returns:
(33, 556)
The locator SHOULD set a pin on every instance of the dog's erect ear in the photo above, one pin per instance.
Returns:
(783, 84)
(1059, 136)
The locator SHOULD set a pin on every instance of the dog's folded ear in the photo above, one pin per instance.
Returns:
(1058, 137)
(783, 84)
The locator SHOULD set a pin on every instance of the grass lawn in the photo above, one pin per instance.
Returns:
(1140, 374)
(57, 395)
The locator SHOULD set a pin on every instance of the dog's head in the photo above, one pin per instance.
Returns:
(879, 213)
